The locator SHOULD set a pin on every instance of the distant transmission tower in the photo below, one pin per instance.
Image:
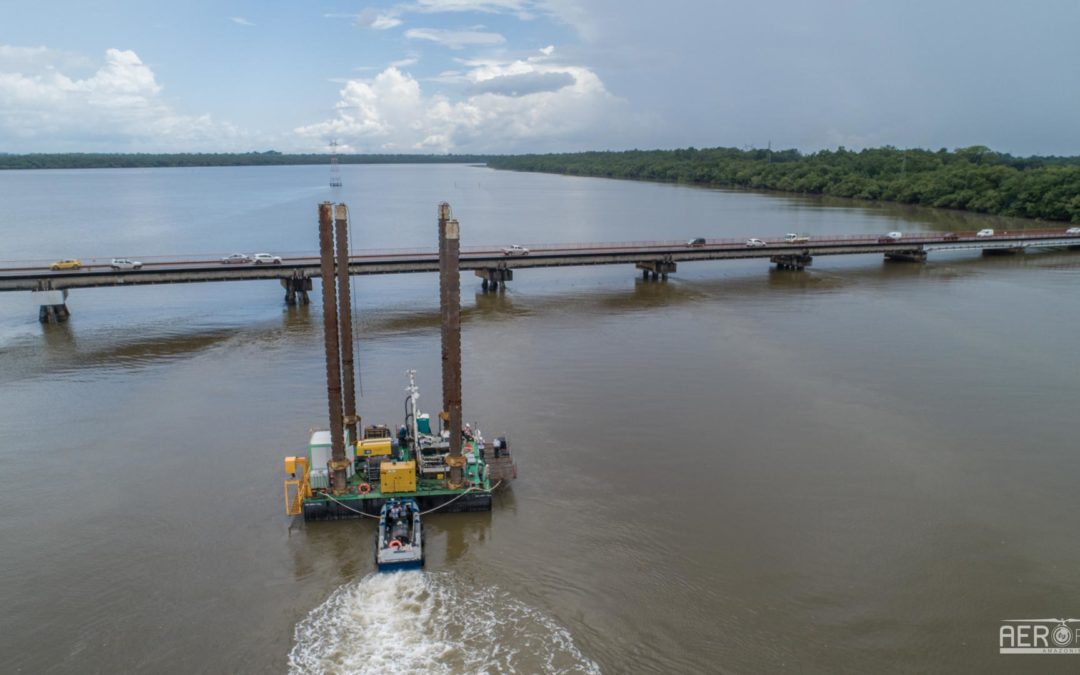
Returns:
(335, 166)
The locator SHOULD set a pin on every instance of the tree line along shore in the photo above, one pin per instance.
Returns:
(971, 179)
(88, 160)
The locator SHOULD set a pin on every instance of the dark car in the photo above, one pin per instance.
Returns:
(952, 236)
(695, 243)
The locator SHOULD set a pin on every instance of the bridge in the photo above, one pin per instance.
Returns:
(655, 259)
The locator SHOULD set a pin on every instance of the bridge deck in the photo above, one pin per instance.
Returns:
(16, 276)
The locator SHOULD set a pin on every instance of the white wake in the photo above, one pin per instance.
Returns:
(430, 623)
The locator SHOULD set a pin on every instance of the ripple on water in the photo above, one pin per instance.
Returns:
(431, 623)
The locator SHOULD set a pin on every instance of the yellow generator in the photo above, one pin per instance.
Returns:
(374, 447)
(397, 477)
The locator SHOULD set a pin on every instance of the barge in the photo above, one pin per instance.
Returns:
(409, 465)
(346, 473)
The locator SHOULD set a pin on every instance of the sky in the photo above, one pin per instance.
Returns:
(513, 76)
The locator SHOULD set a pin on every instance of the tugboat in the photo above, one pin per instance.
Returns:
(400, 543)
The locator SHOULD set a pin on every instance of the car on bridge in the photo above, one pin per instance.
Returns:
(794, 238)
(516, 249)
(66, 264)
(890, 237)
(1073, 231)
(985, 233)
(696, 243)
(236, 259)
(755, 243)
(265, 259)
(125, 264)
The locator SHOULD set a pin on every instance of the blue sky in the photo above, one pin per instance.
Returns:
(537, 75)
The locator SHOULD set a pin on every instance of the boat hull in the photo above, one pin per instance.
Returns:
(399, 558)
(347, 506)
(400, 565)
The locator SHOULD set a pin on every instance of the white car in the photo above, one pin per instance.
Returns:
(890, 237)
(793, 238)
(755, 243)
(236, 259)
(515, 250)
(265, 259)
(1075, 231)
(985, 233)
(125, 264)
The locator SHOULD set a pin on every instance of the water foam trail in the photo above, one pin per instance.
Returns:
(430, 623)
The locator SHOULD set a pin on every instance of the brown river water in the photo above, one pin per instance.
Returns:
(863, 467)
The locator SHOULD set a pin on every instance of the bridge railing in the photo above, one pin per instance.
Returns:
(305, 256)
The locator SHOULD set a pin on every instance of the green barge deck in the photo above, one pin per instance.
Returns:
(308, 492)
(429, 494)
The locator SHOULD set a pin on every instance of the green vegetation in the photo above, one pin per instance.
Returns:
(972, 179)
(268, 158)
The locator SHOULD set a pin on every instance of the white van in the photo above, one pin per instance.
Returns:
(985, 233)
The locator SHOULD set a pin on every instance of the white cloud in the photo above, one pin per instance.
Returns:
(11, 52)
(565, 11)
(20, 59)
(409, 60)
(241, 21)
(570, 12)
(449, 77)
(370, 18)
(523, 84)
(514, 105)
(518, 7)
(119, 104)
(455, 39)
(382, 22)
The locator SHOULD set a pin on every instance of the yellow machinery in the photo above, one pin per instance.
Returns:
(373, 447)
(397, 477)
(294, 503)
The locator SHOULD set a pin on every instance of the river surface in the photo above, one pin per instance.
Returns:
(862, 467)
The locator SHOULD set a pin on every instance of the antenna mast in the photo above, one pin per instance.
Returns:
(335, 167)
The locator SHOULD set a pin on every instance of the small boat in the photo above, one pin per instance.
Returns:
(400, 545)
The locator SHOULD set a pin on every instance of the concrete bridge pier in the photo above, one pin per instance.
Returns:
(914, 255)
(656, 269)
(52, 305)
(797, 261)
(296, 289)
(493, 276)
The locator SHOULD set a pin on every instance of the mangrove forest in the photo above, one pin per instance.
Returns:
(79, 160)
(972, 179)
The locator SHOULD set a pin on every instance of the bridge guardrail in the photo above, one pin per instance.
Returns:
(914, 238)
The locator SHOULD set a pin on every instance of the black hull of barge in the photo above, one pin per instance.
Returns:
(325, 509)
